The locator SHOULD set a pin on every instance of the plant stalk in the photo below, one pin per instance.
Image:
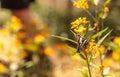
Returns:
(101, 62)
(88, 65)
(94, 19)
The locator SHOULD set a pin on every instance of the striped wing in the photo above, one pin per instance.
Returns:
(82, 42)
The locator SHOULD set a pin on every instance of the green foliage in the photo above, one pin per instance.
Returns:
(60, 37)
(103, 38)
(99, 33)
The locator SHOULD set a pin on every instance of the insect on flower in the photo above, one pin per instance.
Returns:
(82, 42)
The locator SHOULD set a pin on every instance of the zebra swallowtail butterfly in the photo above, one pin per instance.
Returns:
(82, 42)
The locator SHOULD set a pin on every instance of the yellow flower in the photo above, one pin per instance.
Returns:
(81, 4)
(15, 24)
(3, 68)
(107, 62)
(80, 29)
(90, 46)
(96, 24)
(106, 9)
(39, 39)
(115, 55)
(4, 32)
(49, 52)
(78, 22)
(75, 57)
(17, 43)
(24, 54)
(102, 49)
(95, 49)
(78, 25)
(117, 40)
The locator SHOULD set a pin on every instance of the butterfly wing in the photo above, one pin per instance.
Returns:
(82, 42)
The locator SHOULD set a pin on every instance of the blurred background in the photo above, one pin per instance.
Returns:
(26, 46)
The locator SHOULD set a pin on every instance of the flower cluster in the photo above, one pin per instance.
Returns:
(116, 51)
(16, 47)
(78, 25)
(15, 24)
(81, 4)
(92, 47)
(117, 40)
(10, 49)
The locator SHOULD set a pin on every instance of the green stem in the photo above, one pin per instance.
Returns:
(102, 24)
(101, 62)
(60, 37)
(90, 15)
(100, 27)
(88, 64)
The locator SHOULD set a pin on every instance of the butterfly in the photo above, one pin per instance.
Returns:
(82, 42)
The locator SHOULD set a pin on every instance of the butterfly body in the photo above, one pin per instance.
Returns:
(82, 42)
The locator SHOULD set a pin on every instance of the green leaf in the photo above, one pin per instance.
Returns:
(32, 48)
(92, 1)
(83, 72)
(87, 30)
(99, 33)
(82, 55)
(95, 2)
(107, 2)
(103, 15)
(73, 33)
(64, 38)
(93, 65)
(73, 49)
(114, 46)
(103, 38)
(29, 64)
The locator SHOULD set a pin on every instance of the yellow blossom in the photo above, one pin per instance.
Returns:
(39, 38)
(90, 46)
(78, 25)
(3, 68)
(75, 57)
(115, 55)
(96, 24)
(101, 49)
(107, 62)
(117, 40)
(24, 54)
(49, 52)
(78, 22)
(4, 32)
(106, 9)
(15, 24)
(18, 43)
(80, 29)
(81, 4)
(95, 49)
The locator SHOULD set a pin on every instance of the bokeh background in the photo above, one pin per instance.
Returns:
(43, 55)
